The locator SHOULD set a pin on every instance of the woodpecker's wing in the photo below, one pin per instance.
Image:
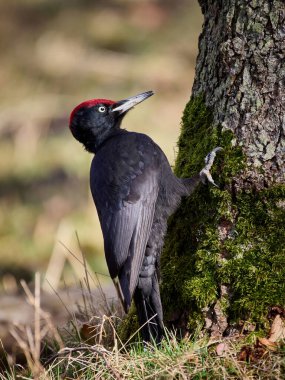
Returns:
(124, 185)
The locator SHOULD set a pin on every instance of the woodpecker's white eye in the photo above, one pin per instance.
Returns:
(102, 109)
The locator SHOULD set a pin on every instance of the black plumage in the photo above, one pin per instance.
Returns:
(135, 191)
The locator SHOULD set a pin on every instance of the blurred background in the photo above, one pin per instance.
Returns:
(54, 55)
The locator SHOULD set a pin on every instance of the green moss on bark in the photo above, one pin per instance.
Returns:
(221, 236)
(129, 326)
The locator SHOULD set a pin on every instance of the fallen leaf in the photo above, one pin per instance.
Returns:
(252, 354)
(221, 348)
(277, 331)
(243, 354)
(272, 346)
(88, 332)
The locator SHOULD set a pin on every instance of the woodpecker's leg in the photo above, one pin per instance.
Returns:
(209, 160)
(204, 175)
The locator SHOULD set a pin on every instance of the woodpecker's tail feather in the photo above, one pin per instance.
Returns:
(149, 309)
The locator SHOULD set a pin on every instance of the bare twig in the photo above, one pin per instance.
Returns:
(37, 322)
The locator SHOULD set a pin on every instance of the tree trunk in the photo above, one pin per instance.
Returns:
(223, 265)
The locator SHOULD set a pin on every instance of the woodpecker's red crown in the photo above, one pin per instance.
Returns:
(89, 104)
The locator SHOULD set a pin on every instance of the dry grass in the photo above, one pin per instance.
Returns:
(93, 350)
(189, 359)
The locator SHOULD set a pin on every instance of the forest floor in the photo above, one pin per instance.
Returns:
(89, 346)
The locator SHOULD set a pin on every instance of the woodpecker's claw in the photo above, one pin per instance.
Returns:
(206, 175)
(209, 160)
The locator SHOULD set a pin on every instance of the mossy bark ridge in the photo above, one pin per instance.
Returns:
(224, 257)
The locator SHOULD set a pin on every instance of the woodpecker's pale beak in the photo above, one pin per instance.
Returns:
(123, 106)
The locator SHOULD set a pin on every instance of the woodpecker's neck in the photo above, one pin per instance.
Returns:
(93, 145)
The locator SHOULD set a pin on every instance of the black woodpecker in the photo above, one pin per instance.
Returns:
(135, 191)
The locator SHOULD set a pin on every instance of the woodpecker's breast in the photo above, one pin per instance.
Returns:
(121, 167)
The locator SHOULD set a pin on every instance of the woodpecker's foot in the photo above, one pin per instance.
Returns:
(209, 160)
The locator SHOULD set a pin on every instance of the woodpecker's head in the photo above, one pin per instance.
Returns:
(92, 121)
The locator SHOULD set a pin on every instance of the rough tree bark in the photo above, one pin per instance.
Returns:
(241, 71)
(224, 258)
